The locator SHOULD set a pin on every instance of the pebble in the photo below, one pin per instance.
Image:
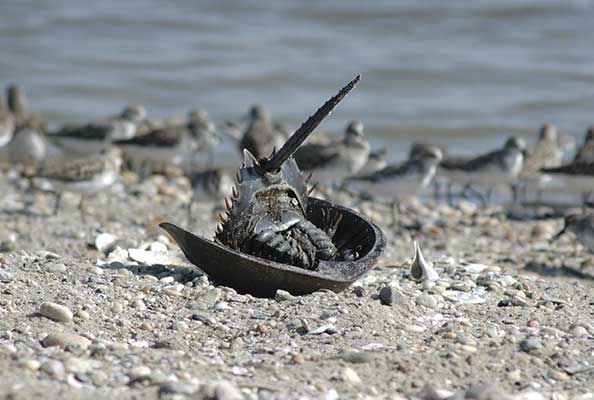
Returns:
(179, 326)
(95, 270)
(139, 305)
(105, 242)
(182, 388)
(117, 308)
(223, 390)
(83, 314)
(66, 341)
(415, 328)
(530, 344)
(426, 300)
(139, 372)
(389, 295)
(59, 267)
(79, 365)
(468, 348)
(559, 375)
(30, 364)
(5, 277)
(533, 323)
(298, 359)
(55, 311)
(283, 295)
(54, 368)
(579, 331)
(157, 246)
(350, 376)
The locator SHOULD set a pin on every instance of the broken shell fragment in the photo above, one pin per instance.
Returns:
(420, 269)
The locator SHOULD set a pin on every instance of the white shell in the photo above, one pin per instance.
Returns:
(420, 269)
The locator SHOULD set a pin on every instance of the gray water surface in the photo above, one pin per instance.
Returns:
(456, 73)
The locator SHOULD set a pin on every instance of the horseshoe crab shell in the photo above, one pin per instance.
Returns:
(262, 278)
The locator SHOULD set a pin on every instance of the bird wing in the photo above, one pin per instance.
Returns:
(162, 137)
(313, 155)
(73, 169)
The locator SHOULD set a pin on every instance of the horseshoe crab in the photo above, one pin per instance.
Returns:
(274, 236)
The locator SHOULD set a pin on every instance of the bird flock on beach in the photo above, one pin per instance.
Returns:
(87, 158)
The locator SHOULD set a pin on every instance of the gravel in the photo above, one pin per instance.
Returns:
(147, 329)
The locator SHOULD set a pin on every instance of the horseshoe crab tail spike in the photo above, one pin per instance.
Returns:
(278, 158)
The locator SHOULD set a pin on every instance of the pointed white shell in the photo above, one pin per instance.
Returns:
(420, 269)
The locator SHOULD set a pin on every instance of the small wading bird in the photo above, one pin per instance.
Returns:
(498, 167)
(582, 226)
(547, 153)
(82, 175)
(334, 161)
(95, 136)
(576, 177)
(261, 136)
(403, 181)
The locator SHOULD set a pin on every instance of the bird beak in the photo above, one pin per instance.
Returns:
(558, 235)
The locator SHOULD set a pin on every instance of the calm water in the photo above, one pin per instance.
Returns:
(460, 74)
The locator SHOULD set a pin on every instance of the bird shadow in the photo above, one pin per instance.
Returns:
(565, 271)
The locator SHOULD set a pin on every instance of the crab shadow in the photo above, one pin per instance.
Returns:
(180, 274)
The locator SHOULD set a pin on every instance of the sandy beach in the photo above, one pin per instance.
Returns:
(510, 317)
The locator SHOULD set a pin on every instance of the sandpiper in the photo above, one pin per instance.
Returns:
(375, 162)
(403, 181)
(28, 148)
(166, 145)
(547, 153)
(261, 137)
(575, 177)
(333, 162)
(7, 125)
(498, 167)
(95, 136)
(585, 154)
(19, 106)
(582, 226)
(83, 175)
(211, 183)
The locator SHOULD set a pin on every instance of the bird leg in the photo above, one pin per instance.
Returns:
(192, 199)
(395, 208)
(81, 208)
(58, 200)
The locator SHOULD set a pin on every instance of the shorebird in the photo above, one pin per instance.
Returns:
(7, 125)
(211, 183)
(547, 153)
(83, 175)
(94, 136)
(19, 106)
(332, 162)
(164, 145)
(576, 177)
(498, 167)
(582, 226)
(28, 148)
(585, 154)
(402, 181)
(261, 137)
(375, 162)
